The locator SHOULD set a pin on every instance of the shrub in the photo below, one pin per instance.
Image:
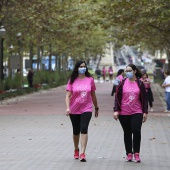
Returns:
(51, 79)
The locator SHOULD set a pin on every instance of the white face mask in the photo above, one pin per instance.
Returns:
(82, 70)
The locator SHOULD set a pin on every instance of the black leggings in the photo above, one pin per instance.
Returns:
(150, 97)
(132, 124)
(80, 122)
(150, 103)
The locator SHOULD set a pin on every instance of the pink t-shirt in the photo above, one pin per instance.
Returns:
(104, 71)
(130, 98)
(110, 71)
(147, 85)
(81, 100)
(120, 77)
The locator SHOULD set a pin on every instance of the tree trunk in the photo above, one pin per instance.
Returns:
(31, 55)
(50, 56)
(38, 58)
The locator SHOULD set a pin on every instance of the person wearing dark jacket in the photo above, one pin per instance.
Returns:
(30, 78)
(147, 84)
(131, 108)
(98, 73)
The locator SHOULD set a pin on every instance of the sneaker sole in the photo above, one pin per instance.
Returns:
(137, 161)
(128, 160)
(82, 160)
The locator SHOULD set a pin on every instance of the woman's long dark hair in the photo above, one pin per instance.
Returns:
(75, 72)
(145, 74)
(120, 71)
(138, 73)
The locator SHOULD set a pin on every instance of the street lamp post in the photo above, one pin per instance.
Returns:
(2, 33)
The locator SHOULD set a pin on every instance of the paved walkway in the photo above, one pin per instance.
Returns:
(36, 135)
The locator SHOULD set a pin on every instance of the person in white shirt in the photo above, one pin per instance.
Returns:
(166, 85)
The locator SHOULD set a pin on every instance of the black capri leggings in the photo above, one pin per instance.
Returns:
(80, 122)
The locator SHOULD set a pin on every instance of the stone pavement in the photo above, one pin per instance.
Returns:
(36, 135)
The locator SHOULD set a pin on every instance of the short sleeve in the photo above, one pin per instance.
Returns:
(69, 86)
(93, 86)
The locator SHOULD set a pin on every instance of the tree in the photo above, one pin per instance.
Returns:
(70, 26)
(143, 22)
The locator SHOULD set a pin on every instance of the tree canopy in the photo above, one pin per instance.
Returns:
(145, 22)
(83, 27)
(69, 25)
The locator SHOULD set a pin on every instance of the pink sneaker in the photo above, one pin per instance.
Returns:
(82, 157)
(76, 154)
(129, 157)
(136, 157)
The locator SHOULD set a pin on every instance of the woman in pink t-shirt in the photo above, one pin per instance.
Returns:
(110, 72)
(104, 71)
(131, 108)
(80, 99)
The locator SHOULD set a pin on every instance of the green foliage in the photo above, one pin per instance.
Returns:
(10, 83)
(73, 27)
(37, 78)
(135, 22)
(82, 27)
(17, 82)
(1, 85)
(45, 79)
(91, 72)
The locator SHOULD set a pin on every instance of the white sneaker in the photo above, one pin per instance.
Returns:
(167, 111)
(151, 110)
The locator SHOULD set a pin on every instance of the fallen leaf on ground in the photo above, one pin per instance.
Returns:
(100, 157)
(153, 139)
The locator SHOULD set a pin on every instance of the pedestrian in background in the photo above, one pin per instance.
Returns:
(166, 85)
(104, 71)
(80, 98)
(119, 77)
(110, 72)
(131, 108)
(30, 77)
(147, 82)
(98, 73)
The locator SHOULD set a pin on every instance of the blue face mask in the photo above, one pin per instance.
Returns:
(129, 75)
(82, 70)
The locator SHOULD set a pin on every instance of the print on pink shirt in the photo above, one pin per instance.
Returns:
(81, 100)
(131, 94)
(130, 102)
(83, 93)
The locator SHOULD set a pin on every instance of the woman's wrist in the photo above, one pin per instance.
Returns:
(96, 108)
